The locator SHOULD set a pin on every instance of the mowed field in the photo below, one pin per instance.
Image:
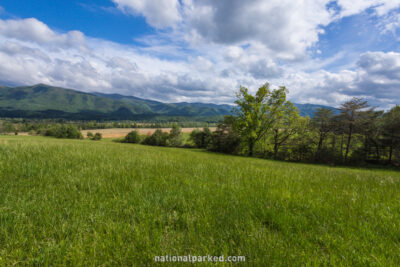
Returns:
(122, 132)
(81, 202)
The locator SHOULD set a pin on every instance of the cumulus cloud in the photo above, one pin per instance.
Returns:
(212, 49)
(158, 13)
(33, 30)
(351, 7)
(286, 28)
(105, 66)
(376, 78)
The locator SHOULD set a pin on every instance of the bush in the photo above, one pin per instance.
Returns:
(201, 139)
(89, 135)
(158, 138)
(132, 137)
(175, 137)
(97, 137)
(64, 131)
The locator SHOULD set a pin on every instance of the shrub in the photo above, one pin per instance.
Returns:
(64, 131)
(89, 135)
(158, 138)
(132, 137)
(201, 139)
(97, 137)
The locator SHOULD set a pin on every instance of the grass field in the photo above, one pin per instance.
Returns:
(79, 202)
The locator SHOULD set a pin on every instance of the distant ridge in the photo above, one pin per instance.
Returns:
(44, 101)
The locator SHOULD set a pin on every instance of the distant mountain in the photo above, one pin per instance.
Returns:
(174, 109)
(310, 109)
(44, 101)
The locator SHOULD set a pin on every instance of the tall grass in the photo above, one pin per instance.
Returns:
(72, 202)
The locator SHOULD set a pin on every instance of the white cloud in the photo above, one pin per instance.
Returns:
(352, 7)
(158, 13)
(283, 26)
(32, 30)
(376, 78)
(214, 47)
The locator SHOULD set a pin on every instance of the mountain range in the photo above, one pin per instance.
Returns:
(44, 101)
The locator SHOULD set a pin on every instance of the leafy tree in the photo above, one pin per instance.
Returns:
(391, 130)
(158, 138)
(196, 137)
(351, 113)
(64, 131)
(322, 123)
(255, 115)
(201, 139)
(224, 139)
(370, 128)
(287, 123)
(132, 137)
(175, 137)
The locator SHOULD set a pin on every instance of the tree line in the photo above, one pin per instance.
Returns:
(267, 125)
(40, 126)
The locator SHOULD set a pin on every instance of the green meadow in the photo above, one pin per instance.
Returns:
(81, 202)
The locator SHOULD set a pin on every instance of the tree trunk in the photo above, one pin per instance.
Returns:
(348, 142)
(276, 145)
(378, 156)
(251, 148)
(276, 148)
(321, 139)
(341, 148)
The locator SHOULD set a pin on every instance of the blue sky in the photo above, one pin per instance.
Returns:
(324, 51)
(95, 18)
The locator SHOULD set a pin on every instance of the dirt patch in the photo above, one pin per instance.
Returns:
(118, 132)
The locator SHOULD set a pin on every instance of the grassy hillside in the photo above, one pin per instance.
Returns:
(103, 203)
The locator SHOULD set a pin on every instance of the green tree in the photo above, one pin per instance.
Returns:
(201, 139)
(391, 130)
(322, 123)
(371, 129)
(224, 139)
(132, 137)
(257, 114)
(287, 123)
(158, 138)
(175, 137)
(351, 113)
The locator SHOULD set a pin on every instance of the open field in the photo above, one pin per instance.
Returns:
(80, 202)
(118, 132)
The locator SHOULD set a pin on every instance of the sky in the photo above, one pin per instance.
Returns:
(325, 52)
